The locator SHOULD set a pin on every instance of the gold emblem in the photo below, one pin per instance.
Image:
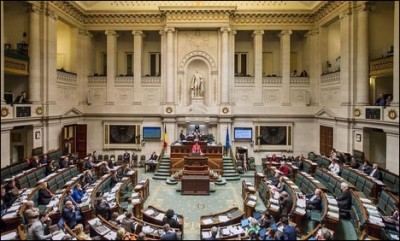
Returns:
(169, 110)
(4, 111)
(39, 110)
(357, 112)
(392, 114)
(225, 110)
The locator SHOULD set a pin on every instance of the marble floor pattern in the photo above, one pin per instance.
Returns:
(166, 197)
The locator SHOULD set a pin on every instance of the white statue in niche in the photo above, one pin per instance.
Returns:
(197, 85)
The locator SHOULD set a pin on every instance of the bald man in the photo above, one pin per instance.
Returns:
(68, 214)
(314, 201)
(31, 212)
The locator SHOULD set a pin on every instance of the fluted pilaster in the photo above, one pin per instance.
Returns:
(170, 65)
(225, 66)
(285, 65)
(258, 50)
(111, 65)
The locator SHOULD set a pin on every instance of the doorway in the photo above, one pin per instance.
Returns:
(325, 140)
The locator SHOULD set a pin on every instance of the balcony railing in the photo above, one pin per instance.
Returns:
(272, 80)
(244, 81)
(331, 78)
(299, 80)
(16, 66)
(97, 80)
(381, 66)
(151, 80)
(124, 80)
(66, 78)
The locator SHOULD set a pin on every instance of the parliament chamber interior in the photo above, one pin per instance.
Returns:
(199, 120)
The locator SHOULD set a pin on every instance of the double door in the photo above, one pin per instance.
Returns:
(74, 139)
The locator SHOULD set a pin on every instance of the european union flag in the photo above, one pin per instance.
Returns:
(227, 143)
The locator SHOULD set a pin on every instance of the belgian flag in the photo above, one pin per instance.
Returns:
(165, 137)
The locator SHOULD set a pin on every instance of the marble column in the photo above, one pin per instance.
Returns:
(232, 66)
(50, 86)
(285, 66)
(361, 91)
(396, 70)
(163, 66)
(137, 65)
(345, 57)
(258, 64)
(35, 77)
(74, 60)
(314, 64)
(170, 65)
(225, 66)
(111, 65)
(83, 70)
(2, 54)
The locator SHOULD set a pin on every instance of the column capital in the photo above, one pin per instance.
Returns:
(258, 32)
(363, 6)
(344, 14)
(285, 32)
(233, 32)
(85, 33)
(225, 29)
(111, 33)
(137, 32)
(169, 29)
(161, 32)
(33, 8)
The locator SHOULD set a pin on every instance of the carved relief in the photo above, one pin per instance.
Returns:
(330, 96)
(244, 96)
(272, 96)
(195, 54)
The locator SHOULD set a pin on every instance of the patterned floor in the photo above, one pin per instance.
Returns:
(166, 197)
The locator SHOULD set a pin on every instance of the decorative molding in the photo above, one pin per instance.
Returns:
(285, 32)
(271, 19)
(331, 78)
(381, 66)
(197, 53)
(392, 114)
(69, 9)
(225, 29)
(124, 19)
(97, 80)
(151, 80)
(111, 33)
(66, 78)
(4, 112)
(124, 80)
(299, 80)
(39, 110)
(272, 80)
(51, 14)
(16, 66)
(244, 81)
(138, 32)
(326, 9)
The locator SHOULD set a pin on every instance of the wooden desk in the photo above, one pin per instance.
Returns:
(258, 178)
(195, 185)
(155, 216)
(234, 216)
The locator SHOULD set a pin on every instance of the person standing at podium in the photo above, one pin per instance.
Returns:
(196, 148)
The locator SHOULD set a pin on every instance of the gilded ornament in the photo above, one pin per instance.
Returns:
(4, 112)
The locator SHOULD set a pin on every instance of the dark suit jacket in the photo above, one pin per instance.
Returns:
(69, 217)
(44, 196)
(286, 206)
(210, 238)
(377, 174)
(128, 225)
(289, 233)
(153, 157)
(315, 204)
(104, 210)
(172, 222)
(367, 170)
(169, 236)
(344, 200)
(127, 157)
(182, 137)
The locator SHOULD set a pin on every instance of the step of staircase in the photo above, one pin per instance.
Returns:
(229, 171)
(162, 172)
(232, 178)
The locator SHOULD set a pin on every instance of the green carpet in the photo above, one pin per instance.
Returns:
(166, 197)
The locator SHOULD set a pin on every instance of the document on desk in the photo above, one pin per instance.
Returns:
(251, 203)
(301, 203)
(112, 235)
(334, 215)
(58, 236)
(9, 236)
(149, 212)
(206, 234)
(160, 216)
(207, 221)
(223, 218)
(333, 208)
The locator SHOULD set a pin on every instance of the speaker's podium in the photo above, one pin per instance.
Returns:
(195, 179)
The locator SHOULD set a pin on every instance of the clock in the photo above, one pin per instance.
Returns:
(392, 114)
(273, 135)
(225, 110)
(4, 112)
(122, 134)
(169, 110)
(39, 110)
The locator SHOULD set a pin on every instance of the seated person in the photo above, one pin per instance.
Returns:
(375, 173)
(273, 158)
(153, 158)
(171, 219)
(44, 160)
(196, 148)
(111, 163)
(50, 168)
(266, 220)
(21, 99)
(126, 158)
(381, 101)
(114, 179)
(334, 167)
(254, 226)
(45, 195)
(214, 233)
(392, 222)
(270, 234)
(12, 193)
(281, 185)
(128, 223)
(103, 208)
(344, 199)
(88, 163)
(70, 197)
(285, 204)
(169, 233)
(314, 201)
(365, 168)
(354, 163)
(31, 212)
(284, 169)
(80, 234)
(289, 232)
(68, 214)
(114, 217)
(78, 193)
(104, 168)
(389, 100)
(182, 136)
(34, 162)
(333, 154)
(39, 228)
(275, 179)
(89, 179)
(323, 234)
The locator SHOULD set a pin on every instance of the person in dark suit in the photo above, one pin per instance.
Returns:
(344, 199)
(21, 99)
(214, 232)
(275, 179)
(354, 163)
(45, 195)
(153, 156)
(126, 157)
(182, 136)
(285, 204)
(365, 168)
(68, 214)
(289, 232)
(103, 208)
(12, 193)
(170, 218)
(315, 201)
(128, 223)
(375, 173)
(169, 233)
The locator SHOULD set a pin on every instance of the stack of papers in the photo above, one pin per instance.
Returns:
(251, 203)
(334, 215)
(149, 212)
(207, 221)
(223, 218)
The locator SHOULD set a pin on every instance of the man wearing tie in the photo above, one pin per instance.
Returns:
(315, 201)
(196, 148)
(375, 173)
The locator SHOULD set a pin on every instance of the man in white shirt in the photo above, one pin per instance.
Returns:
(334, 167)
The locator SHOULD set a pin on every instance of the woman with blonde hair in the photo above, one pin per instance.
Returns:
(80, 234)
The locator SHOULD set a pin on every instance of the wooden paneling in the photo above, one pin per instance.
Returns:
(326, 140)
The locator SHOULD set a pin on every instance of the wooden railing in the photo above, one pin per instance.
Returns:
(16, 66)
(381, 66)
